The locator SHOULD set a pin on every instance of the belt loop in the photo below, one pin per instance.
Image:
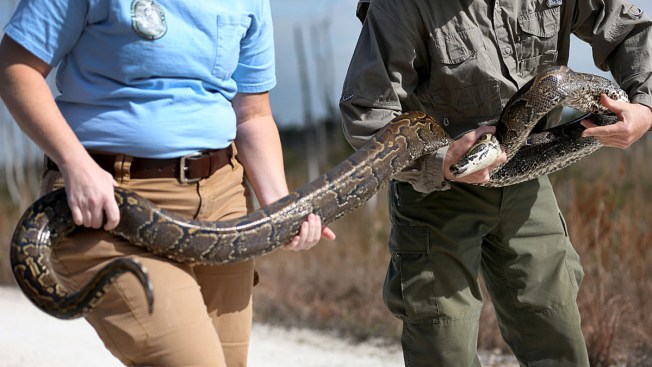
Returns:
(212, 163)
(46, 166)
(233, 160)
(122, 168)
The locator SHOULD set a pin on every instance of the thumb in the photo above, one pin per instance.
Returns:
(611, 104)
(328, 234)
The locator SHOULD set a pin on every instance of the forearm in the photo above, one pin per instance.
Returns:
(259, 151)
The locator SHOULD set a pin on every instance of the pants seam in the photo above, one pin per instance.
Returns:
(518, 314)
(116, 348)
(443, 319)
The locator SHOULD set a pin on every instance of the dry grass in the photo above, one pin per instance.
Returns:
(607, 207)
(337, 286)
(605, 200)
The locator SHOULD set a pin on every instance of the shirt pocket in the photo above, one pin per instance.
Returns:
(455, 48)
(461, 93)
(231, 29)
(537, 46)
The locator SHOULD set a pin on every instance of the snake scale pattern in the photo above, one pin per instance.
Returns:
(331, 196)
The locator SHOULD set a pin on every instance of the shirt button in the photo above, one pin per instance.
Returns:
(507, 51)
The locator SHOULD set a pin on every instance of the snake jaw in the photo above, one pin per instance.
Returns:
(481, 155)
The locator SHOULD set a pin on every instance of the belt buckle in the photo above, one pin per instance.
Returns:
(183, 168)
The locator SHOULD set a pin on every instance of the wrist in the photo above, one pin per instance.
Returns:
(70, 159)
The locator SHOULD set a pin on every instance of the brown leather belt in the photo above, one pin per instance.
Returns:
(186, 169)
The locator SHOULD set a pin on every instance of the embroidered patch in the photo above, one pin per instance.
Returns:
(346, 97)
(555, 3)
(148, 19)
(632, 12)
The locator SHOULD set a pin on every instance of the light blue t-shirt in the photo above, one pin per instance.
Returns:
(150, 78)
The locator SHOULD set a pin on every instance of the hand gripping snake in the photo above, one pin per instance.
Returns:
(331, 196)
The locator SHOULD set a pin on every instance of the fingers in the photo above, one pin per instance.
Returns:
(310, 233)
(91, 198)
(94, 210)
(306, 237)
(76, 213)
(327, 234)
(613, 105)
(472, 136)
(83, 209)
(97, 215)
(112, 213)
(618, 135)
(634, 120)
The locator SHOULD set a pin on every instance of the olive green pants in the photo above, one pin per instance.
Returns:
(516, 237)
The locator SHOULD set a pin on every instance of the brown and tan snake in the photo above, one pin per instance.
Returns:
(331, 196)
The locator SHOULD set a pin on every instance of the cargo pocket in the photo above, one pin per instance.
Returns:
(409, 286)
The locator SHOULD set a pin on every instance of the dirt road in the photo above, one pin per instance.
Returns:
(30, 338)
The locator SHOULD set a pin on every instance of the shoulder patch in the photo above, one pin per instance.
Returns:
(148, 19)
(632, 12)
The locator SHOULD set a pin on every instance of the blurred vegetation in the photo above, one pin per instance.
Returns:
(337, 285)
(605, 200)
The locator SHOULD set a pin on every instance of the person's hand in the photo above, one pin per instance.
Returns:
(460, 147)
(89, 189)
(634, 120)
(310, 233)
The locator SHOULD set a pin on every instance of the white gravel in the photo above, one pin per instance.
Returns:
(30, 338)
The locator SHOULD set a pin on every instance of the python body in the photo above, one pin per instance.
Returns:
(331, 196)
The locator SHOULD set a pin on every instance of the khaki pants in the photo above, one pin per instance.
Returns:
(202, 314)
(516, 238)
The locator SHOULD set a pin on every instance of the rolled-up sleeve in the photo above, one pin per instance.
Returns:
(621, 38)
(382, 76)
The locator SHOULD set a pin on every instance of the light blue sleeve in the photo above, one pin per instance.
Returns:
(256, 71)
(48, 29)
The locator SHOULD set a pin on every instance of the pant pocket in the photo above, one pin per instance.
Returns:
(409, 290)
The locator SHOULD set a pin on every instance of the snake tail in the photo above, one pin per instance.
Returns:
(30, 256)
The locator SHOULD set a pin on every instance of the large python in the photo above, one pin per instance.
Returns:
(336, 193)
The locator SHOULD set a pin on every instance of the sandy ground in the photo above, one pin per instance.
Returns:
(30, 338)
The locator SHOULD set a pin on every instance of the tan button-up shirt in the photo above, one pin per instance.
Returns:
(461, 61)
